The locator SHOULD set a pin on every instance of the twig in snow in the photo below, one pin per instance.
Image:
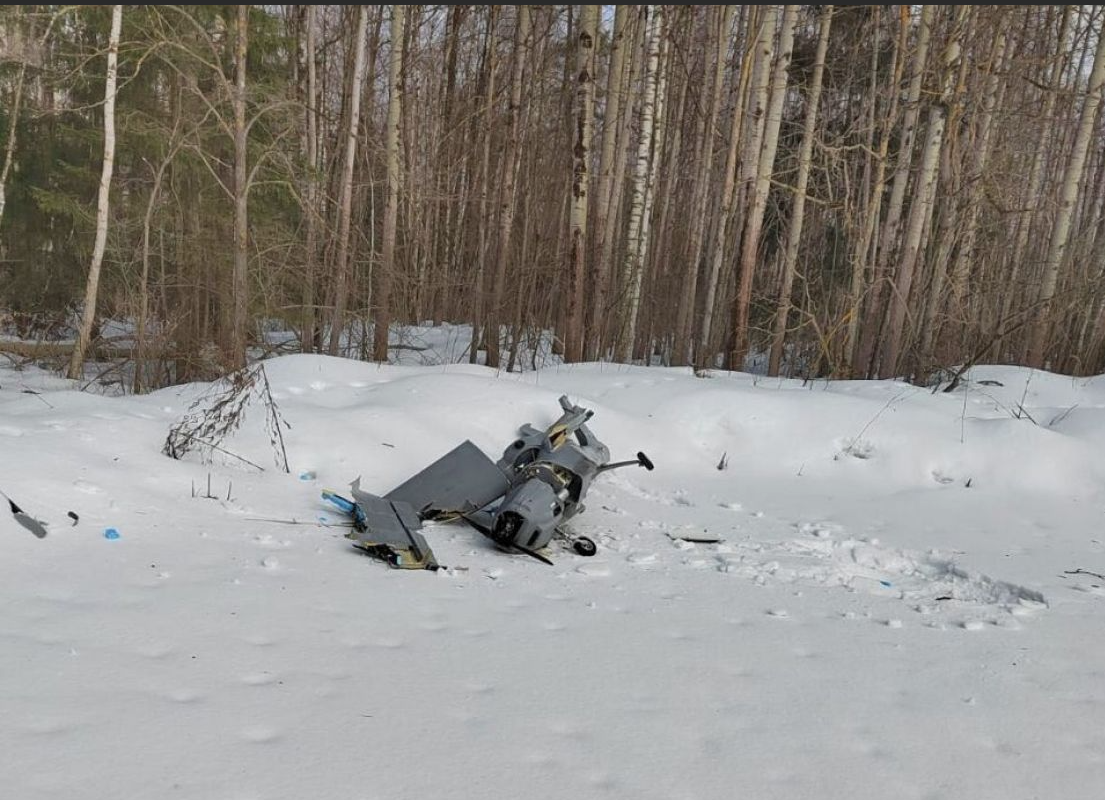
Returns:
(1081, 571)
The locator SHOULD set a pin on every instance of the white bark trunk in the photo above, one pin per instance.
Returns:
(611, 169)
(889, 238)
(689, 295)
(805, 156)
(643, 173)
(88, 316)
(508, 198)
(1068, 196)
(921, 209)
(395, 177)
(345, 204)
(703, 353)
(750, 246)
(581, 176)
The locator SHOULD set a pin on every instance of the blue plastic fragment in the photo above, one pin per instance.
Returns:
(111, 533)
(309, 475)
(885, 583)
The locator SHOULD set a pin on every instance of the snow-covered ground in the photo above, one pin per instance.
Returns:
(894, 610)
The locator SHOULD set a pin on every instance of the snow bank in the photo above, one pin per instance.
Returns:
(901, 579)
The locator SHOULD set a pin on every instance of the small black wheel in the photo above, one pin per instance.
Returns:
(585, 546)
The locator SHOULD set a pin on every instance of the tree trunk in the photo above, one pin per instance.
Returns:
(345, 204)
(239, 324)
(395, 175)
(609, 233)
(13, 127)
(860, 257)
(88, 316)
(794, 232)
(976, 175)
(643, 173)
(689, 295)
(507, 200)
(581, 174)
(889, 238)
(1068, 196)
(920, 211)
(611, 166)
(309, 336)
(484, 248)
(751, 242)
(728, 192)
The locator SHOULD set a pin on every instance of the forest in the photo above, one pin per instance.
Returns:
(883, 191)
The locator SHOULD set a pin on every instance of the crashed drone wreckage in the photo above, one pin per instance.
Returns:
(519, 502)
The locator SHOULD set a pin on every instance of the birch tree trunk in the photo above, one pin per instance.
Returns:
(794, 232)
(345, 204)
(484, 248)
(920, 211)
(1068, 197)
(239, 320)
(508, 197)
(966, 255)
(611, 169)
(13, 127)
(395, 177)
(604, 306)
(689, 295)
(860, 258)
(751, 242)
(889, 238)
(639, 213)
(92, 287)
(581, 174)
(1014, 263)
(309, 336)
(728, 192)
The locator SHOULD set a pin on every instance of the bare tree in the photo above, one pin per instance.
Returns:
(1068, 197)
(644, 174)
(794, 231)
(611, 170)
(92, 287)
(395, 177)
(345, 205)
(508, 184)
(920, 212)
(581, 174)
(766, 166)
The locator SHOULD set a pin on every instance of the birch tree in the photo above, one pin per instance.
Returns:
(507, 199)
(794, 230)
(92, 287)
(760, 55)
(891, 226)
(345, 205)
(699, 212)
(921, 209)
(1068, 196)
(581, 175)
(395, 176)
(643, 176)
(765, 167)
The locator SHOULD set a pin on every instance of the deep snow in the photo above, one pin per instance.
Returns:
(889, 613)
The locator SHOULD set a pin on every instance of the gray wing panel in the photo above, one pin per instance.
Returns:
(392, 524)
(464, 479)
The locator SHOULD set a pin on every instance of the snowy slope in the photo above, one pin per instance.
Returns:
(889, 613)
